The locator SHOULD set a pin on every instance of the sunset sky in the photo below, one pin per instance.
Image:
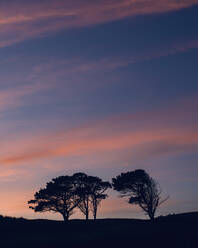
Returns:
(101, 87)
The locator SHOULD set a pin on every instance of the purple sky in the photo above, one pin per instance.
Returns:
(101, 87)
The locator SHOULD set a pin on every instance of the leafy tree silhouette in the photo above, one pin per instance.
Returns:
(98, 189)
(141, 189)
(91, 193)
(60, 195)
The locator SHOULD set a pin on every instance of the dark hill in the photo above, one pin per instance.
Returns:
(178, 230)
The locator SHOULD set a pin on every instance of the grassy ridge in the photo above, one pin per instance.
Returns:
(170, 231)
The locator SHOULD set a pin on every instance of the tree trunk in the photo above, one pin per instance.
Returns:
(151, 216)
(87, 215)
(65, 217)
(87, 209)
(95, 213)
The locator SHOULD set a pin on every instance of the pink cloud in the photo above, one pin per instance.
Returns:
(25, 20)
(13, 97)
(147, 135)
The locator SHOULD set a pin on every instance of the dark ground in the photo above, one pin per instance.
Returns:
(170, 231)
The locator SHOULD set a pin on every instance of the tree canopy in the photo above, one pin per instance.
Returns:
(141, 189)
(91, 190)
(65, 193)
(59, 196)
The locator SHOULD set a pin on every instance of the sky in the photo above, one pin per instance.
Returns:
(101, 87)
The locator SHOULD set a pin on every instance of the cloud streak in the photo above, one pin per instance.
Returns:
(25, 20)
(147, 135)
(45, 76)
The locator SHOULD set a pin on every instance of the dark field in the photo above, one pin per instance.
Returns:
(170, 231)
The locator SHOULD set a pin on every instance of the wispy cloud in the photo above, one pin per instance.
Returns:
(14, 97)
(147, 135)
(111, 63)
(24, 19)
(50, 74)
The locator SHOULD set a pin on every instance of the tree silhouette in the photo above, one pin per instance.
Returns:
(91, 193)
(81, 180)
(142, 190)
(97, 195)
(59, 196)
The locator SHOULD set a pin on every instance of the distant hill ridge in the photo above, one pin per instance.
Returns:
(179, 216)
